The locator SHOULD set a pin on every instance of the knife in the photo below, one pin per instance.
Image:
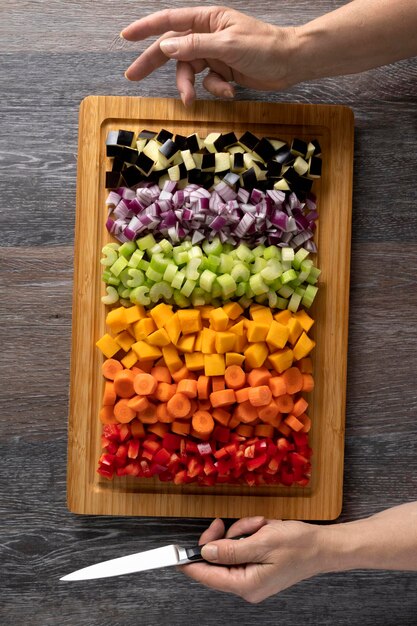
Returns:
(140, 562)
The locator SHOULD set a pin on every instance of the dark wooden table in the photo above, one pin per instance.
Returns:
(54, 54)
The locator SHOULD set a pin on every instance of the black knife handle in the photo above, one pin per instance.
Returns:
(194, 554)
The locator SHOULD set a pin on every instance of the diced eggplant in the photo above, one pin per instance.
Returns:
(112, 150)
(264, 149)
(129, 155)
(222, 162)
(145, 163)
(181, 142)
(140, 144)
(188, 160)
(163, 135)
(125, 137)
(152, 151)
(277, 144)
(208, 162)
(174, 173)
(310, 150)
(132, 176)
(117, 165)
(314, 167)
(194, 143)
(300, 166)
(237, 162)
(112, 180)
(274, 169)
(282, 185)
(169, 149)
(248, 140)
(248, 179)
(317, 147)
(225, 141)
(284, 156)
(302, 185)
(147, 134)
(183, 171)
(291, 175)
(210, 140)
(194, 176)
(111, 139)
(298, 147)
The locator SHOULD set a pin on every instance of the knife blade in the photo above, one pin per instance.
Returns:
(166, 556)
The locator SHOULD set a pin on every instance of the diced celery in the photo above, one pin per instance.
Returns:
(212, 262)
(159, 263)
(140, 295)
(198, 297)
(281, 303)
(154, 276)
(275, 284)
(207, 279)
(136, 258)
(227, 284)
(215, 247)
(137, 278)
(127, 249)
(118, 266)
(241, 289)
(178, 279)
(109, 279)
(159, 291)
(170, 272)
(180, 300)
(249, 293)
(258, 265)
(299, 256)
(188, 287)
(146, 242)
(112, 296)
(262, 298)
(240, 272)
(196, 252)
(300, 291)
(286, 265)
(191, 271)
(166, 246)
(313, 275)
(244, 253)
(286, 291)
(110, 256)
(244, 302)
(124, 292)
(272, 299)
(309, 295)
(124, 302)
(257, 285)
(287, 254)
(294, 302)
(106, 275)
(216, 290)
(272, 252)
(226, 264)
(180, 256)
(156, 249)
(272, 270)
(258, 251)
(288, 276)
(143, 265)
(124, 277)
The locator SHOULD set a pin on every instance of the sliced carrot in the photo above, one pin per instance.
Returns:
(277, 386)
(148, 415)
(202, 422)
(164, 392)
(158, 429)
(305, 365)
(225, 397)
(294, 423)
(259, 376)
(188, 387)
(306, 421)
(181, 374)
(145, 384)
(284, 429)
(197, 435)
(179, 405)
(110, 367)
(264, 430)
(260, 396)
(123, 384)
(234, 421)
(109, 395)
(234, 377)
(293, 379)
(218, 383)
(246, 412)
(272, 421)
(245, 430)
(308, 383)
(203, 387)
(181, 428)
(137, 429)
(138, 403)
(221, 416)
(162, 413)
(300, 406)
(161, 374)
(193, 408)
(123, 412)
(204, 405)
(106, 415)
(268, 412)
(242, 395)
(285, 403)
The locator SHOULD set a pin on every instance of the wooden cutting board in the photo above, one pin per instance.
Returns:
(87, 492)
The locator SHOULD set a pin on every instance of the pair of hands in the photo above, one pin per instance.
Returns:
(232, 46)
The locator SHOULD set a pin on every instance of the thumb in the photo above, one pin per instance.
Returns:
(234, 551)
(191, 47)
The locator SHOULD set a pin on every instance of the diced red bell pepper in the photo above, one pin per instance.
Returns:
(207, 481)
(145, 471)
(223, 466)
(209, 467)
(231, 448)
(194, 467)
(300, 439)
(151, 445)
(261, 445)
(156, 468)
(162, 457)
(273, 466)
(132, 469)
(107, 459)
(297, 460)
(133, 448)
(249, 478)
(111, 431)
(303, 482)
(221, 433)
(124, 432)
(249, 451)
(121, 454)
(165, 476)
(106, 471)
(284, 445)
(180, 477)
(257, 462)
(147, 455)
(221, 453)
(191, 447)
(171, 442)
(286, 475)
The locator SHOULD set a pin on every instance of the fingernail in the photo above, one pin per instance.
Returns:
(121, 34)
(126, 76)
(228, 93)
(210, 552)
(170, 46)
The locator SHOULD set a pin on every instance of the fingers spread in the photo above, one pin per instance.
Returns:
(246, 526)
(198, 19)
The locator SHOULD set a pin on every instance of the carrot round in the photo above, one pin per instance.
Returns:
(123, 412)
(218, 383)
(264, 430)
(123, 384)
(106, 415)
(110, 367)
(300, 406)
(308, 383)
(294, 423)
(285, 403)
(203, 423)
(305, 365)
(235, 377)
(234, 421)
(245, 412)
(277, 386)
(179, 405)
(306, 421)
(259, 376)
(158, 429)
(109, 395)
(137, 429)
(161, 374)
(284, 429)
(148, 415)
(260, 396)
(268, 412)
(188, 387)
(145, 384)
(245, 430)
(204, 405)
(225, 397)
(203, 387)
(293, 379)
(193, 408)
(138, 403)
(164, 392)
(242, 395)
(180, 428)
(182, 373)
(221, 416)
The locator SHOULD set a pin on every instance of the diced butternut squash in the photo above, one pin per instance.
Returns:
(194, 361)
(108, 345)
(234, 358)
(305, 320)
(277, 335)
(198, 341)
(135, 313)
(146, 352)
(130, 359)
(295, 329)
(281, 360)
(261, 314)
(186, 343)
(225, 342)
(125, 340)
(214, 365)
(159, 338)
(143, 328)
(173, 328)
(256, 354)
(205, 311)
(171, 358)
(161, 313)
(233, 310)
(219, 319)
(190, 321)
(238, 328)
(208, 340)
(303, 347)
(257, 331)
(116, 319)
(283, 317)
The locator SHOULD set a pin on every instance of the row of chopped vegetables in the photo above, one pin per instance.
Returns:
(207, 355)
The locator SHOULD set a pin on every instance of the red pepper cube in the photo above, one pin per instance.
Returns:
(300, 439)
(257, 462)
(147, 455)
(171, 442)
(162, 457)
(151, 445)
(286, 475)
(111, 431)
(222, 434)
(133, 448)
(156, 469)
(124, 432)
(106, 472)
(221, 453)
(107, 459)
(194, 468)
(209, 467)
(132, 469)
(180, 477)
(145, 469)
(191, 447)
(231, 449)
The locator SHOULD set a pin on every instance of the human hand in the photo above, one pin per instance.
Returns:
(233, 46)
(277, 555)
